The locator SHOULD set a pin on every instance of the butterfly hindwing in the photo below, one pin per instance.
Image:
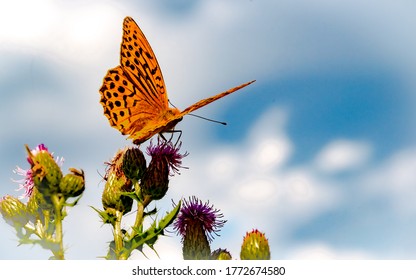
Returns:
(123, 106)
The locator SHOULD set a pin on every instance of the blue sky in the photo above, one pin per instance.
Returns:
(319, 153)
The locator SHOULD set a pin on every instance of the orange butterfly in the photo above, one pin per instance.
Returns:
(133, 94)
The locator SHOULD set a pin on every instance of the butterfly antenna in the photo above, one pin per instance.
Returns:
(171, 104)
(211, 120)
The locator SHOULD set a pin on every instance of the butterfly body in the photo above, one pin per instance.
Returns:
(133, 94)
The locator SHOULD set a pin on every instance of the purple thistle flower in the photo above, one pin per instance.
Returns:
(195, 212)
(27, 183)
(167, 151)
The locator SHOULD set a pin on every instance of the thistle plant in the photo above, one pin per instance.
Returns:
(198, 222)
(130, 180)
(48, 193)
(130, 183)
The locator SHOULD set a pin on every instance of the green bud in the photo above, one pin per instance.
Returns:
(46, 173)
(221, 254)
(134, 163)
(13, 211)
(255, 246)
(72, 184)
(155, 181)
(195, 242)
(113, 194)
(117, 184)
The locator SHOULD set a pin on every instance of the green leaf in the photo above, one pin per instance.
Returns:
(105, 217)
(150, 235)
(75, 202)
(152, 212)
(170, 217)
(132, 195)
(111, 255)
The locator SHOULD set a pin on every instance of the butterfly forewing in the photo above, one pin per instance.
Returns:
(140, 65)
(206, 101)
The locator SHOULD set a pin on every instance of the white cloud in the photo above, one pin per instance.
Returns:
(79, 37)
(270, 153)
(223, 165)
(321, 251)
(258, 190)
(33, 23)
(342, 154)
(395, 178)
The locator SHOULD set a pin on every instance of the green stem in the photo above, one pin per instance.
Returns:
(140, 212)
(141, 205)
(118, 237)
(58, 204)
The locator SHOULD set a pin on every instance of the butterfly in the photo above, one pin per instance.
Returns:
(134, 95)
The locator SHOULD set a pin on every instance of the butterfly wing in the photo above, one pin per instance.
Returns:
(126, 110)
(209, 100)
(140, 65)
(133, 94)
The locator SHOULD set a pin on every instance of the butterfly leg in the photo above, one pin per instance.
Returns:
(171, 136)
(163, 137)
(179, 137)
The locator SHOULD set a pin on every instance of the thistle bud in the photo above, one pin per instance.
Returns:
(166, 160)
(13, 211)
(46, 173)
(255, 246)
(72, 184)
(134, 164)
(116, 186)
(155, 181)
(221, 255)
(113, 194)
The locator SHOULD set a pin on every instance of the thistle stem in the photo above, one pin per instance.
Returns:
(58, 204)
(118, 237)
(140, 211)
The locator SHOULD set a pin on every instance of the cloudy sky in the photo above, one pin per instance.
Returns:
(319, 153)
